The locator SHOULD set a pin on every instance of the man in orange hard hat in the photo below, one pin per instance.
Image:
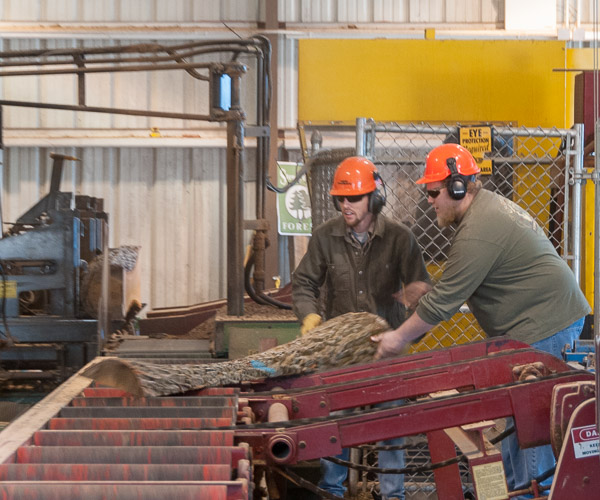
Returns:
(364, 259)
(507, 271)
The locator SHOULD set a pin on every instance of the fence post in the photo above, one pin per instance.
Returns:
(578, 171)
(360, 136)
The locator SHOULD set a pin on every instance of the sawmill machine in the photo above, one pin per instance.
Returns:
(92, 441)
(43, 257)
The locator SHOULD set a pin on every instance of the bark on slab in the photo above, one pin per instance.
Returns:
(339, 342)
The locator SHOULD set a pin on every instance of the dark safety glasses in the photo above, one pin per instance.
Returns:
(434, 193)
(351, 199)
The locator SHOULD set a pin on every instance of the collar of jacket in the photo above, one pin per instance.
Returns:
(340, 229)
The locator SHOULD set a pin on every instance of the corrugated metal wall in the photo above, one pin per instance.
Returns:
(129, 11)
(170, 201)
(392, 11)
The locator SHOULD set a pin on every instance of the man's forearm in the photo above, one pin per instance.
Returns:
(393, 342)
(413, 328)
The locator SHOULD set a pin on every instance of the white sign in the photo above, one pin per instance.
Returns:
(585, 441)
(490, 481)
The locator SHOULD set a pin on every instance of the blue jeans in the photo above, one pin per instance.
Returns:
(390, 485)
(521, 466)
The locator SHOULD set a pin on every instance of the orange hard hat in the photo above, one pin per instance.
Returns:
(353, 176)
(436, 168)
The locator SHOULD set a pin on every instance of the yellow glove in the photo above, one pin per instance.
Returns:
(309, 322)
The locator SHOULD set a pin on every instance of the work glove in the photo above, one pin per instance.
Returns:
(309, 322)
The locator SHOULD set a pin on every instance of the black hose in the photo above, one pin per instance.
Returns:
(259, 297)
(247, 281)
(504, 434)
(545, 475)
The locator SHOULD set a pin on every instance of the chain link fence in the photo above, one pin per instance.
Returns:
(531, 167)
(534, 167)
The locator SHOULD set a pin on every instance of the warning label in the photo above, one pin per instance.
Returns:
(490, 482)
(585, 441)
(478, 140)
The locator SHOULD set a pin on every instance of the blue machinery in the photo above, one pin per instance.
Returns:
(42, 260)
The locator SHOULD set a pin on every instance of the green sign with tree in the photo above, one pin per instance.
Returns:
(293, 205)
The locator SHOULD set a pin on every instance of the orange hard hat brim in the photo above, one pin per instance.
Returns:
(426, 179)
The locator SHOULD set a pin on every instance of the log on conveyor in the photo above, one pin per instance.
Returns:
(341, 341)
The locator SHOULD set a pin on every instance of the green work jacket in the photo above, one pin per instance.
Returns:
(357, 278)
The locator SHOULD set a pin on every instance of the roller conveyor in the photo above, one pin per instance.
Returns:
(101, 443)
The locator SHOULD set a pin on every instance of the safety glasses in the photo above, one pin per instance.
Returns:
(351, 199)
(434, 193)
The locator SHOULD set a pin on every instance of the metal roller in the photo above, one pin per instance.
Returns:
(132, 454)
(233, 490)
(149, 412)
(136, 423)
(133, 438)
(278, 412)
(115, 472)
(111, 392)
(210, 401)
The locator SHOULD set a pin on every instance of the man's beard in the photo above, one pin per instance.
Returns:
(443, 222)
(447, 220)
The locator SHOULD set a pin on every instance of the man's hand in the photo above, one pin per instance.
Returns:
(394, 342)
(410, 294)
(309, 322)
(391, 343)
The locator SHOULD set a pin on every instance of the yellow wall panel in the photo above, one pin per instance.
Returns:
(434, 80)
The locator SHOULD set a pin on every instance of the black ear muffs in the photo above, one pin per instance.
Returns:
(456, 183)
(377, 197)
(336, 203)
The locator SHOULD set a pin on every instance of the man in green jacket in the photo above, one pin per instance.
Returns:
(507, 271)
(366, 261)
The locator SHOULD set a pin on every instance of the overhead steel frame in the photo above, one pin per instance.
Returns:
(159, 57)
